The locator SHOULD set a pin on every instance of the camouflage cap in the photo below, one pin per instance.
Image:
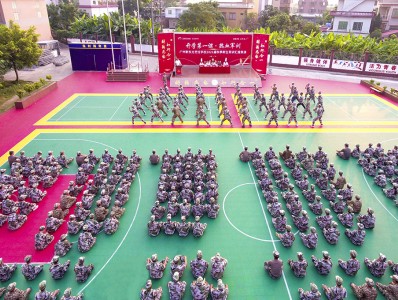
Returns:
(369, 281)
(11, 286)
(314, 287)
(339, 280)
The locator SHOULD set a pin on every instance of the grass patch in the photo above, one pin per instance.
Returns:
(8, 89)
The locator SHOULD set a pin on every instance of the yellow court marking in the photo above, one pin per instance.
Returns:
(46, 119)
(203, 129)
(20, 145)
(334, 123)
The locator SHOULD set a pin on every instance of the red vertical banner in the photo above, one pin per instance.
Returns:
(166, 52)
(260, 53)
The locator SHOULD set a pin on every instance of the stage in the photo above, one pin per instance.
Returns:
(244, 75)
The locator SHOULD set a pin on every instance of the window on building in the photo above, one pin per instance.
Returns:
(16, 16)
(14, 5)
(94, 2)
(357, 26)
(394, 14)
(342, 25)
(232, 16)
(169, 12)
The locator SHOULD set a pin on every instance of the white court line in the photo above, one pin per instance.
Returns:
(383, 106)
(71, 108)
(132, 222)
(265, 217)
(211, 117)
(363, 174)
(229, 221)
(346, 112)
(120, 105)
(253, 110)
(364, 177)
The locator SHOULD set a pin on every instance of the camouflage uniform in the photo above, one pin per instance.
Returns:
(154, 227)
(317, 206)
(324, 220)
(42, 239)
(351, 266)
(42, 294)
(366, 291)
(368, 221)
(218, 265)
(73, 225)
(30, 271)
(63, 246)
(82, 271)
(15, 220)
(111, 224)
(178, 265)
(58, 270)
(337, 292)
(169, 226)
(6, 271)
(299, 267)
(347, 218)
(176, 287)
(86, 241)
(201, 115)
(198, 228)
(324, 265)
(68, 295)
(199, 265)
(13, 293)
(200, 289)
(313, 294)
(155, 267)
(331, 233)
(183, 227)
(377, 266)
(357, 236)
(220, 292)
(389, 291)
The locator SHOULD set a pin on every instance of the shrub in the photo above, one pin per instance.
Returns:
(42, 81)
(392, 90)
(49, 77)
(378, 83)
(20, 93)
(30, 87)
(38, 85)
(371, 81)
(384, 87)
(1, 85)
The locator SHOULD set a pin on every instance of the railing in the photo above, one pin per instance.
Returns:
(359, 14)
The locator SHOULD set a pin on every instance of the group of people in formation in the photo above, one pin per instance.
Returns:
(164, 103)
(188, 186)
(200, 288)
(377, 163)
(308, 101)
(368, 290)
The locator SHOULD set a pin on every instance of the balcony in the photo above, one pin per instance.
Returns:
(352, 14)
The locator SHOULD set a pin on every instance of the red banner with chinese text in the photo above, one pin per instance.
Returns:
(191, 48)
(166, 52)
(260, 53)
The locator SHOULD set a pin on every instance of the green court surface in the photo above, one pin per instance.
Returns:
(114, 109)
(243, 232)
(339, 109)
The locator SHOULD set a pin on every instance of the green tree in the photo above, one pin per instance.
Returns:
(376, 23)
(251, 22)
(18, 48)
(268, 12)
(279, 22)
(310, 27)
(200, 16)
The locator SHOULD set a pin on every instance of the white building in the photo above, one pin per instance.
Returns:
(388, 10)
(94, 7)
(353, 16)
(172, 14)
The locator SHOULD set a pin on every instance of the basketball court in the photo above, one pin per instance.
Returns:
(93, 114)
